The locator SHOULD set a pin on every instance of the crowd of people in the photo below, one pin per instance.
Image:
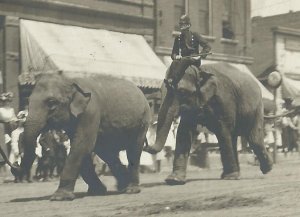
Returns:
(288, 128)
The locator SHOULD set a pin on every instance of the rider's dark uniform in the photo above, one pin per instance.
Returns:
(187, 44)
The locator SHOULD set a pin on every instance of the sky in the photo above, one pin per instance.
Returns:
(272, 7)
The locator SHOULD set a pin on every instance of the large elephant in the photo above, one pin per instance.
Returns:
(99, 114)
(220, 97)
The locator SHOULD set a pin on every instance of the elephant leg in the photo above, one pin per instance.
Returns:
(235, 151)
(88, 174)
(69, 176)
(133, 155)
(228, 154)
(118, 170)
(182, 151)
(82, 144)
(256, 142)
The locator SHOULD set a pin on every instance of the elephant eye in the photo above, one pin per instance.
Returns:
(52, 103)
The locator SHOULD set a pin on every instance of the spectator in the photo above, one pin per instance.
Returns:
(269, 131)
(15, 135)
(151, 136)
(7, 121)
(288, 134)
(296, 121)
(52, 154)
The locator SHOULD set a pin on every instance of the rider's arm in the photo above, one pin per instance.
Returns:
(203, 43)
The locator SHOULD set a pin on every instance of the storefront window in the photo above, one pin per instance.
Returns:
(179, 11)
(204, 17)
(227, 24)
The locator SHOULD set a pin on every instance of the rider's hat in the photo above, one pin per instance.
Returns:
(185, 20)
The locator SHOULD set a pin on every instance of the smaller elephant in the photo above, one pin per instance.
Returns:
(99, 114)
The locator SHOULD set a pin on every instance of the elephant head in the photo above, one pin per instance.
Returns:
(190, 91)
(55, 103)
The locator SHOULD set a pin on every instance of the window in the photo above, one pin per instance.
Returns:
(204, 17)
(227, 28)
(179, 11)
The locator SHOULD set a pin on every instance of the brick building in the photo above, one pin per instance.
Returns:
(155, 20)
(276, 46)
(127, 16)
(208, 18)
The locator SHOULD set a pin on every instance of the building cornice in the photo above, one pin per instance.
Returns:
(74, 8)
(286, 30)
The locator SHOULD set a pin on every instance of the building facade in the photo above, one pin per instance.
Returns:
(276, 46)
(267, 33)
(224, 23)
(127, 16)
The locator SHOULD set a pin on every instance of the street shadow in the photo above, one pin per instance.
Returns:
(155, 184)
(78, 195)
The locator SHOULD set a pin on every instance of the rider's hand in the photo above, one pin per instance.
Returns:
(178, 57)
(197, 57)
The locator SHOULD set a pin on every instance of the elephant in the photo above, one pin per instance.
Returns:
(100, 114)
(219, 97)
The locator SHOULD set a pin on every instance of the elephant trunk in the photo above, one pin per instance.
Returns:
(167, 112)
(32, 129)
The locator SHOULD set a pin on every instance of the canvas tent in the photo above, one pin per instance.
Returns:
(79, 52)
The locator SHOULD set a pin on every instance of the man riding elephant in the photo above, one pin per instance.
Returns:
(187, 45)
(220, 97)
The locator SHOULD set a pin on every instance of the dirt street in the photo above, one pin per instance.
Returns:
(276, 194)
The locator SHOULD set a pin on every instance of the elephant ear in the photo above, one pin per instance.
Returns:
(207, 86)
(80, 100)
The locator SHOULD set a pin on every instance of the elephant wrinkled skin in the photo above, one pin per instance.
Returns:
(100, 114)
(220, 97)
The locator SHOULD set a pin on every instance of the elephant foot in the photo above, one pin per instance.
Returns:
(122, 186)
(61, 195)
(174, 179)
(231, 176)
(132, 189)
(265, 168)
(46, 179)
(99, 191)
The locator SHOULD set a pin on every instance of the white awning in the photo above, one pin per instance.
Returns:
(79, 51)
(290, 88)
(266, 94)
